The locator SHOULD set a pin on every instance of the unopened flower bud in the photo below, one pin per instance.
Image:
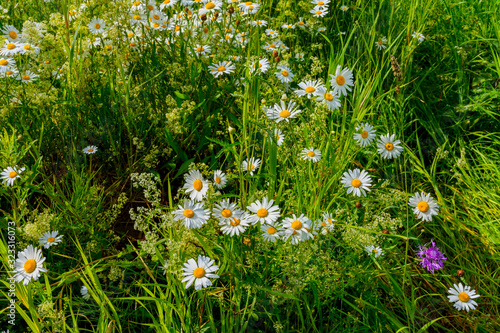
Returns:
(203, 17)
(230, 10)
(460, 273)
(385, 231)
(358, 205)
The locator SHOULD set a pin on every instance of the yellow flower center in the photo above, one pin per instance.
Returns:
(198, 185)
(4, 62)
(329, 97)
(188, 213)
(226, 212)
(26, 77)
(364, 134)
(248, 3)
(356, 182)
(251, 167)
(166, 2)
(109, 47)
(271, 230)
(210, 5)
(177, 28)
(323, 224)
(379, 42)
(463, 297)
(156, 25)
(277, 137)
(136, 17)
(218, 180)
(389, 146)
(297, 225)
(300, 23)
(311, 154)
(284, 73)
(9, 72)
(11, 46)
(310, 90)
(374, 251)
(423, 206)
(340, 80)
(221, 68)
(47, 62)
(97, 26)
(150, 7)
(29, 265)
(12, 174)
(319, 12)
(285, 114)
(90, 150)
(156, 17)
(234, 222)
(262, 212)
(12, 34)
(199, 273)
(320, 3)
(137, 3)
(51, 239)
(199, 49)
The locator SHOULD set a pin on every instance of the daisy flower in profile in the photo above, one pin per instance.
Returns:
(318, 11)
(278, 136)
(344, 8)
(225, 210)
(193, 214)
(311, 154)
(380, 44)
(331, 98)
(221, 68)
(366, 136)
(271, 232)
(424, 206)
(284, 74)
(298, 228)
(357, 182)
(200, 50)
(308, 88)
(342, 81)
(220, 179)
(50, 238)
(6, 64)
(327, 221)
(85, 293)
(418, 36)
(283, 112)
(29, 265)
(431, 258)
(264, 212)
(261, 67)
(97, 26)
(210, 7)
(250, 165)
(463, 297)
(199, 272)
(237, 224)
(388, 146)
(196, 185)
(90, 150)
(10, 174)
(377, 251)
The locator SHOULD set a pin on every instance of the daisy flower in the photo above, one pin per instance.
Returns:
(308, 88)
(29, 265)
(463, 297)
(9, 49)
(327, 221)
(298, 228)
(250, 165)
(288, 26)
(261, 67)
(11, 33)
(223, 67)
(377, 251)
(424, 206)
(259, 23)
(90, 150)
(357, 182)
(278, 136)
(97, 26)
(201, 50)
(6, 64)
(431, 258)
(344, 8)
(85, 293)
(272, 33)
(311, 154)
(331, 98)
(199, 272)
(418, 36)
(195, 185)
(220, 179)
(380, 44)
(301, 23)
(284, 74)
(366, 136)
(283, 112)
(50, 238)
(271, 232)
(27, 77)
(235, 225)
(225, 210)
(388, 146)
(167, 4)
(342, 81)
(193, 214)
(299, 56)
(10, 174)
(264, 212)
(318, 11)
(210, 7)
(320, 3)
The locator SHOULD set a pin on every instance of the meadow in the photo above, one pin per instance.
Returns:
(270, 166)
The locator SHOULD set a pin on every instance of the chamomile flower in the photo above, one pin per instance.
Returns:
(357, 182)
(344, 8)
(320, 3)
(6, 63)
(418, 36)
(311, 154)
(261, 67)
(138, 5)
(196, 185)
(283, 112)
(199, 272)
(301, 23)
(288, 26)
(85, 293)
(235, 225)
(194, 214)
(167, 4)
(264, 212)
(272, 33)
(201, 50)
(28, 265)
(27, 77)
(284, 74)
(342, 80)
(11, 33)
(424, 206)
(250, 165)
(331, 98)
(271, 232)
(380, 44)
(90, 150)
(97, 26)
(220, 179)
(210, 7)
(375, 250)
(366, 136)
(309, 89)
(221, 68)
(462, 297)
(9, 49)
(318, 11)
(225, 210)
(298, 228)
(50, 238)
(10, 174)
(388, 146)
(327, 221)
(278, 136)
(259, 23)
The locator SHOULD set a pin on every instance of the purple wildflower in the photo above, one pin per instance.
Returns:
(431, 258)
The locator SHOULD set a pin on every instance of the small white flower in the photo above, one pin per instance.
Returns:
(264, 212)
(389, 147)
(90, 150)
(366, 136)
(463, 297)
(29, 265)
(250, 165)
(85, 293)
(49, 239)
(284, 74)
(357, 182)
(196, 185)
(220, 179)
(223, 67)
(10, 174)
(418, 36)
(97, 26)
(377, 251)
(199, 272)
(278, 136)
(311, 154)
(380, 44)
(193, 214)
(342, 81)
(271, 232)
(424, 206)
